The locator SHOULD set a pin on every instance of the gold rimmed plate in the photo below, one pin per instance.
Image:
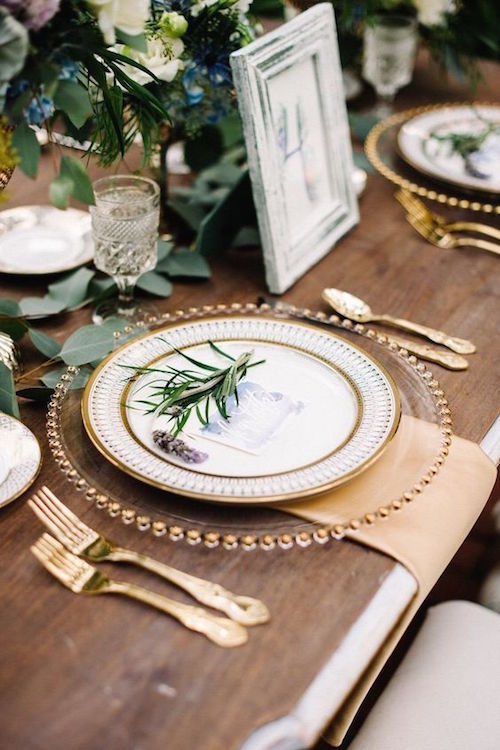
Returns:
(426, 143)
(20, 458)
(39, 240)
(315, 413)
(384, 152)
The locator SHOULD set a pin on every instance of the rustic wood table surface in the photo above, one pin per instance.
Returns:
(87, 674)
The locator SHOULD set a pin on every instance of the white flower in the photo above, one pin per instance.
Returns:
(161, 58)
(432, 12)
(128, 16)
(198, 7)
(243, 6)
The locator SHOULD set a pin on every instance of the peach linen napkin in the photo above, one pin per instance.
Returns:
(423, 536)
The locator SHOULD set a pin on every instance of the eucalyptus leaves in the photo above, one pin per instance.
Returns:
(86, 346)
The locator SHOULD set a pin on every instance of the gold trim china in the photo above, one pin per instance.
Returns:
(20, 459)
(38, 240)
(420, 143)
(316, 413)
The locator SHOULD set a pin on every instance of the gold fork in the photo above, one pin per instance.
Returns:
(82, 578)
(448, 240)
(85, 542)
(419, 210)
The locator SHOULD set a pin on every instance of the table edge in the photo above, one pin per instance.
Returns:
(327, 692)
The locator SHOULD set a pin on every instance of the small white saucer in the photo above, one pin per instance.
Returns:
(20, 458)
(43, 239)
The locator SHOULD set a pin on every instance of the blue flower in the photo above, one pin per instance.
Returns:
(194, 92)
(17, 87)
(69, 69)
(219, 111)
(219, 72)
(40, 107)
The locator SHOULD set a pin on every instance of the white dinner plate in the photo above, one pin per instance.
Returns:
(422, 142)
(44, 239)
(314, 414)
(20, 458)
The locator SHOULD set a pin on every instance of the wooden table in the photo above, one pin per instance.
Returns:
(84, 674)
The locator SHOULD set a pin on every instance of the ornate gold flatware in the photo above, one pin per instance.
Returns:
(381, 151)
(358, 310)
(419, 210)
(449, 240)
(448, 360)
(82, 578)
(83, 541)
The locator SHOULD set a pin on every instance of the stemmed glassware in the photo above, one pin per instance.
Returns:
(390, 47)
(125, 222)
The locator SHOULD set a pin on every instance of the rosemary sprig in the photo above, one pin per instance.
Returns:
(179, 392)
(466, 144)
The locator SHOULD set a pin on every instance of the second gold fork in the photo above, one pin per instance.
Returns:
(419, 211)
(449, 240)
(86, 542)
(82, 578)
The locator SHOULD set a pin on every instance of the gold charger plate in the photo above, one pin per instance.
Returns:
(382, 151)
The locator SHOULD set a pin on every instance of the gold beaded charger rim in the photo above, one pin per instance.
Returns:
(212, 538)
(372, 151)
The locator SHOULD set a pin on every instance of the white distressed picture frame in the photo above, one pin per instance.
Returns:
(300, 173)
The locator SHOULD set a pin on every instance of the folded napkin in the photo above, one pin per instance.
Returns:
(423, 536)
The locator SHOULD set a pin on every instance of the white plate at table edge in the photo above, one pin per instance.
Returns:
(28, 434)
(420, 165)
(296, 494)
(86, 257)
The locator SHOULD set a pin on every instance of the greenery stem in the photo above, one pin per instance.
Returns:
(47, 362)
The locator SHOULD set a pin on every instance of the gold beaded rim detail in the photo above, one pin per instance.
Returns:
(267, 541)
(372, 154)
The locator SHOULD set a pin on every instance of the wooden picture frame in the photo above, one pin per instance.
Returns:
(291, 101)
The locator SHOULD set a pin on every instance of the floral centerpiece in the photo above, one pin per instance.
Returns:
(111, 71)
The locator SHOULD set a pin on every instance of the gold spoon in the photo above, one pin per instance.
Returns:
(356, 309)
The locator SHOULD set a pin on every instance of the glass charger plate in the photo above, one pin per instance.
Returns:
(133, 502)
(381, 149)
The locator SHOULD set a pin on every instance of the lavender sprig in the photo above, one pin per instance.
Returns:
(170, 444)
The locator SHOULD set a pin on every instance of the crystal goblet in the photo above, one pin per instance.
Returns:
(390, 48)
(125, 221)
